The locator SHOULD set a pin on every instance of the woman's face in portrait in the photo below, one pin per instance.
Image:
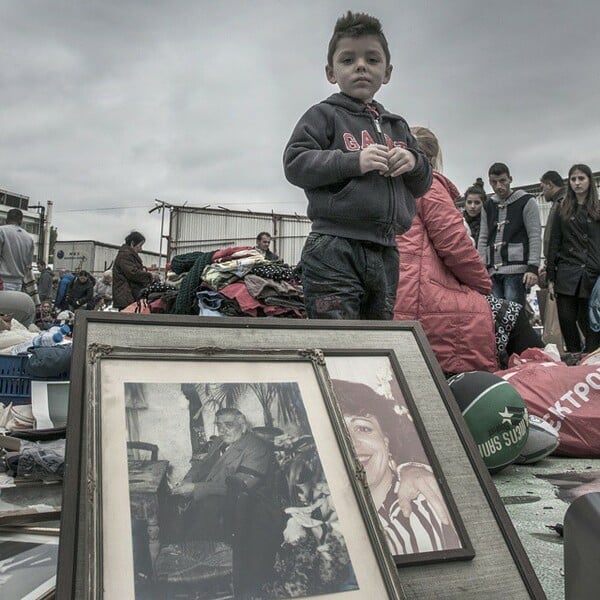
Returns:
(138, 247)
(371, 446)
(473, 205)
(579, 182)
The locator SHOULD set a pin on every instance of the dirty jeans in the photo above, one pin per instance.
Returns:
(348, 279)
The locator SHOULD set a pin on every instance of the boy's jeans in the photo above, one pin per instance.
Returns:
(509, 286)
(348, 279)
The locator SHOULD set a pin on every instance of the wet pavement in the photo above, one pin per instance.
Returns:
(536, 498)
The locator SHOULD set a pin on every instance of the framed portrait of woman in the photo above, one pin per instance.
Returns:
(392, 445)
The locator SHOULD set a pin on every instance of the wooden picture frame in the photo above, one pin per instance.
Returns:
(285, 514)
(373, 395)
(499, 562)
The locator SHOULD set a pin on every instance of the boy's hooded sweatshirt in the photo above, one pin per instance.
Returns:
(322, 157)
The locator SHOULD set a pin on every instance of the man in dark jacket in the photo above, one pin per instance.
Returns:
(553, 189)
(239, 462)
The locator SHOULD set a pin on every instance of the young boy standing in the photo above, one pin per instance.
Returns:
(361, 170)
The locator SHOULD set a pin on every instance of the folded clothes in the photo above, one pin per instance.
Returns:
(260, 288)
(39, 460)
(234, 252)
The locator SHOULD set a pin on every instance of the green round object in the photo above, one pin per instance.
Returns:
(495, 414)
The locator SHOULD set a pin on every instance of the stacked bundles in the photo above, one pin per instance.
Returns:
(237, 281)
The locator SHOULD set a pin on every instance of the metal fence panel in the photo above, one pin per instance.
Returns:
(203, 230)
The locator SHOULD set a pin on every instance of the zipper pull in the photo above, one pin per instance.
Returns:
(378, 126)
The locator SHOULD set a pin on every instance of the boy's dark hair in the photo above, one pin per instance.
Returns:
(552, 177)
(498, 169)
(356, 25)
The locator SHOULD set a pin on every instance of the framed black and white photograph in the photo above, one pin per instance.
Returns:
(28, 565)
(109, 441)
(391, 444)
(234, 477)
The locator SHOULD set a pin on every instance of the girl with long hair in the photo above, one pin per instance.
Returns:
(574, 258)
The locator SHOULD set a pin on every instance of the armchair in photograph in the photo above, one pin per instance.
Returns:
(148, 493)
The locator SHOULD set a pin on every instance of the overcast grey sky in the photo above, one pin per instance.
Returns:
(110, 104)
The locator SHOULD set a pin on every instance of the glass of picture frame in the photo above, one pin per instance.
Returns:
(263, 498)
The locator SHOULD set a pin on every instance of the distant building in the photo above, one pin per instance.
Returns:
(94, 257)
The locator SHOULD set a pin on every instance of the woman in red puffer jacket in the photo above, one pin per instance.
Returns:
(443, 284)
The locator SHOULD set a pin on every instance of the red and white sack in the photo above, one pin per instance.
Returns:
(567, 397)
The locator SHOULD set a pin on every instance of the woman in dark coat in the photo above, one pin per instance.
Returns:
(129, 274)
(80, 292)
(574, 258)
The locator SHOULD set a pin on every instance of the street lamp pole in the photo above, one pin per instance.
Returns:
(161, 205)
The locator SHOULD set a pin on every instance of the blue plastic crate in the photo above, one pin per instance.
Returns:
(15, 383)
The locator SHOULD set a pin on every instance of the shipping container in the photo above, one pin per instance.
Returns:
(94, 257)
(194, 229)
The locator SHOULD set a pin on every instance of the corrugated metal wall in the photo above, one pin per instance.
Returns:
(204, 229)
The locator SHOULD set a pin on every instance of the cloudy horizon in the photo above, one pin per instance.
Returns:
(109, 105)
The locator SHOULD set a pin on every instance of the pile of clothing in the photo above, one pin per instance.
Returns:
(33, 455)
(235, 281)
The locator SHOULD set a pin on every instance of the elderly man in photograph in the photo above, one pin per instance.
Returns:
(238, 493)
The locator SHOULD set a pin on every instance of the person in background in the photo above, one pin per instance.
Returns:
(445, 286)
(553, 190)
(45, 315)
(129, 274)
(474, 199)
(510, 240)
(64, 281)
(103, 290)
(16, 251)
(80, 293)
(573, 264)
(263, 241)
(45, 281)
(361, 171)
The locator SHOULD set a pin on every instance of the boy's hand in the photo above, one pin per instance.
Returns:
(400, 161)
(374, 158)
